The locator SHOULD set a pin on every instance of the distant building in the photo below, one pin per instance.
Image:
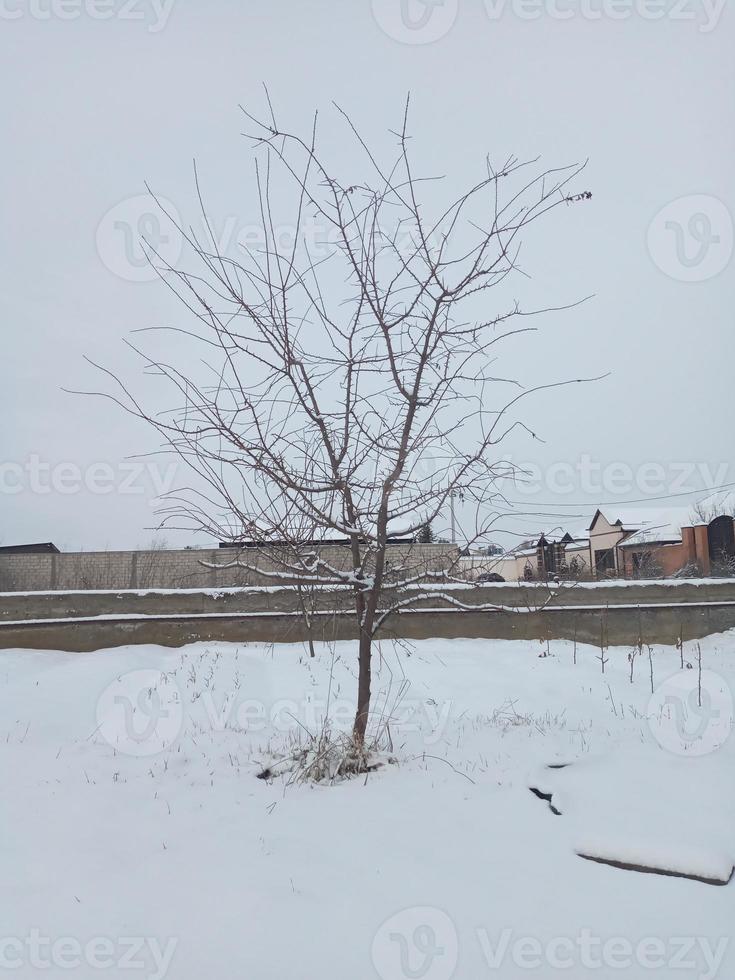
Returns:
(46, 548)
(560, 555)
(621, 544)
(697, 549)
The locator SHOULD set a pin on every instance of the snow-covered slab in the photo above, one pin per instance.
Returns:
(644, 808)
(700, 863)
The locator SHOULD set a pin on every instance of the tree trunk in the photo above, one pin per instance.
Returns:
(363, 686)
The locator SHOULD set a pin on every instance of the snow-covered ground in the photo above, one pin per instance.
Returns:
(136, 836)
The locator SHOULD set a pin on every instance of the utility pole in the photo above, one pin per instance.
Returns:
(460, 494)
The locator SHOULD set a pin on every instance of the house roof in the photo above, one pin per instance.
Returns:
(665, 534)
(562, 536)
(625, 519)
(44, 547)
(657, 526)
(647, 525)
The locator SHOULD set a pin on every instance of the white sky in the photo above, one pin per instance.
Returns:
(94, 107)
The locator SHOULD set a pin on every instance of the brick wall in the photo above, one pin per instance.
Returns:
(181, 569)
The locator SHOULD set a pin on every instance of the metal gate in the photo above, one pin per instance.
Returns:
(721, 541)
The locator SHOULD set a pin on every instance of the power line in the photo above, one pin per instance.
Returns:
(624, 503)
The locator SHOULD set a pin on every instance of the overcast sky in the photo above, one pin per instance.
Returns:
(100, 97)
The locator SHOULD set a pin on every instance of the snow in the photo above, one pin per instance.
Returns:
(123, 824)
(220, 591)
(215, 593)
(602, 584)
(424, 587)
(660, 534)
(670, 813)
(656, 533)
(651, 854)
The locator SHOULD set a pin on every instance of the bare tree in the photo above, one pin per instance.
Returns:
(149, 564)
(650, 667)
(334, 372)
(604, 641)
(705, 511)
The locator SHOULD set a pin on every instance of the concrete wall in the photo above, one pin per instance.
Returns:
(657, 612)
(620, 625)
(256, 599)
(179, 569)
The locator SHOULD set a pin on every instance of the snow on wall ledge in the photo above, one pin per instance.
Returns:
(553, 588)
